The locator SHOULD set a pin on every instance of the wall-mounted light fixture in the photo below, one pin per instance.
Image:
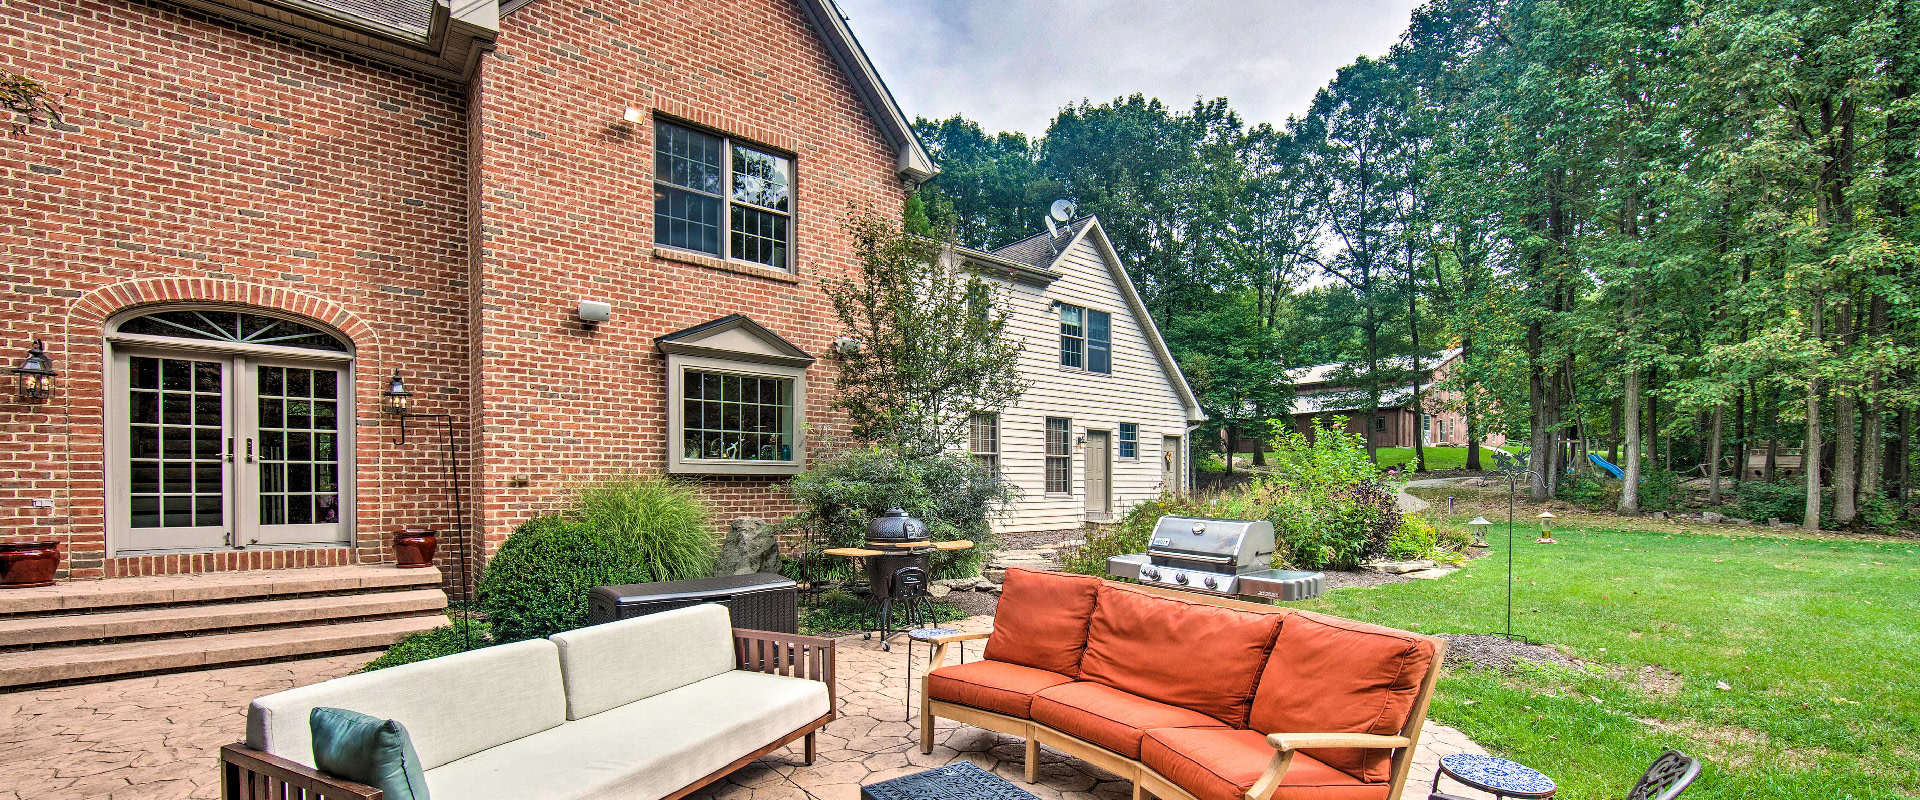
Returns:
(34, 377)
(396, 400)
(634, 115)
(594, 312)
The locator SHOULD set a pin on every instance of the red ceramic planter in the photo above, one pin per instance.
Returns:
(24, 564)
(414, 547)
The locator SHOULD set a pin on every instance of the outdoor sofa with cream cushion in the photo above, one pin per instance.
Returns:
(649, 708)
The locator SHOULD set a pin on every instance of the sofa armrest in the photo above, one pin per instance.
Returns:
(1297, 741)
(248, 773)
(790, 654)
(1285, 744)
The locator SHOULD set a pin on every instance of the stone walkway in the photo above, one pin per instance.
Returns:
(159, 737)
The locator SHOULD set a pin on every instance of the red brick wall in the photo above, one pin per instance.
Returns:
(567, 205)
(205, 161)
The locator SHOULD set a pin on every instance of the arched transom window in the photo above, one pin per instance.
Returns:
(228, 428)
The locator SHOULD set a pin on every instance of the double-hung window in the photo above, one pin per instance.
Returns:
(1129, 440)
(1086, 338)
(1059, 455)
(983, 440)
(721, 197)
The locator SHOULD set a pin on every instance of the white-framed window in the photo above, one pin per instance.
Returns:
(736, 400)
(1059, 455)
(1129, 440)
(1086, 338)
(715, 195)
(227, 428)
(983, 440)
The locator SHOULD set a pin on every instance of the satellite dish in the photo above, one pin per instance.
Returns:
(1062, 210)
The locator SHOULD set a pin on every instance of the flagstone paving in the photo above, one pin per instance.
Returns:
(156, 738)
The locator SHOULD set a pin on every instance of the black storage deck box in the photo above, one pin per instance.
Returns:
(761, 601)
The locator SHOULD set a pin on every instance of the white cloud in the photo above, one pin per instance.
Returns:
(1012, 63)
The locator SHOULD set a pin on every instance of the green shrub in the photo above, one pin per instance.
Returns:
(1419, 538)
(1131, 533)
(625, 529)
(1784, 501)
(665, 521)
(953, 493)
(442, 641)
(1660, 489)
(1339, 529)
(1589, 491)
(537, 584)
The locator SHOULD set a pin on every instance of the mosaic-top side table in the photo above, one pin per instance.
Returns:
(1498, 776)
(961, 780)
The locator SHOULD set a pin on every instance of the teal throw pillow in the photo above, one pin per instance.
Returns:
(369, 750)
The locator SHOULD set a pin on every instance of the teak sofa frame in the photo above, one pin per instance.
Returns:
(249, 774)
(1146, 782)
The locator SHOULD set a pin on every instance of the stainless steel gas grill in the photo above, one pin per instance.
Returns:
(1216, 556)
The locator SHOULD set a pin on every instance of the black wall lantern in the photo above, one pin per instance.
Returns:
(35, 374)
(396, 400)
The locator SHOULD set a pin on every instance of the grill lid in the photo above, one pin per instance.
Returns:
(1223, 545)
(896, 526)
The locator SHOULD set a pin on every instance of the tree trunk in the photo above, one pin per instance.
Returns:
(1630, 411)
(1772, 420)
(1713, 457)
(1811, 450)
(1470, 406)
(1846, 436)
(1873, 427)
(1653, 416)
(1740, 435)
(1613, 435)
(1538, 448)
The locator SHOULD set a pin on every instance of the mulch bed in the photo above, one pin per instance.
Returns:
(1494, 651)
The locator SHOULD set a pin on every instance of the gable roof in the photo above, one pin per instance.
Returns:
(1044, 252)
(734, 337)
(1041, 250)
(1322, 373)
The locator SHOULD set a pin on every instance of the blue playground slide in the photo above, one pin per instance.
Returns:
(1602, 463)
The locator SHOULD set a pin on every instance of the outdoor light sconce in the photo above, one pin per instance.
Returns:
(35, 374)
(634, 115)
(396, 400)
(1480, 530)
(1546, 528)
(594, 312)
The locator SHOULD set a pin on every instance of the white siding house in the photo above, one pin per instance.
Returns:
(1106, 417)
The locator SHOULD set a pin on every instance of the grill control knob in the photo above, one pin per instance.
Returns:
(1180, 578)
(1149, 573)
(1210, 582)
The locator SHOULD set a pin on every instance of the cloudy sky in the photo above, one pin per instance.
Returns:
(1010, 64)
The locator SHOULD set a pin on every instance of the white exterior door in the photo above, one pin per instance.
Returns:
(227, 443)
(1099, 479)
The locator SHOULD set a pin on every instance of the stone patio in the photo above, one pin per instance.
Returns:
(158, 737)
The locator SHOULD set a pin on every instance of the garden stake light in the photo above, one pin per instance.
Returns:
(397, 402)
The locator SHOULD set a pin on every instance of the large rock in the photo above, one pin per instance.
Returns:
(1712, 517)
(750, 547)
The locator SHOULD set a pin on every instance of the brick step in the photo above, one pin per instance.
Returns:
(177, 620)
(70, 597)
(97, 662)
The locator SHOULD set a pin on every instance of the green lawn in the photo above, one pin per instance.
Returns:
(1437, 457)
(1817, 641)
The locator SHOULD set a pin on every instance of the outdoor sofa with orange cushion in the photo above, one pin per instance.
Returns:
(1192, 697)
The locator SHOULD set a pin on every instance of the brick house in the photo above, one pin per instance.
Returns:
(256, 212)
(1438, 421)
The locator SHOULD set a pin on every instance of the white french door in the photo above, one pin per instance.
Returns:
(210, 450)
